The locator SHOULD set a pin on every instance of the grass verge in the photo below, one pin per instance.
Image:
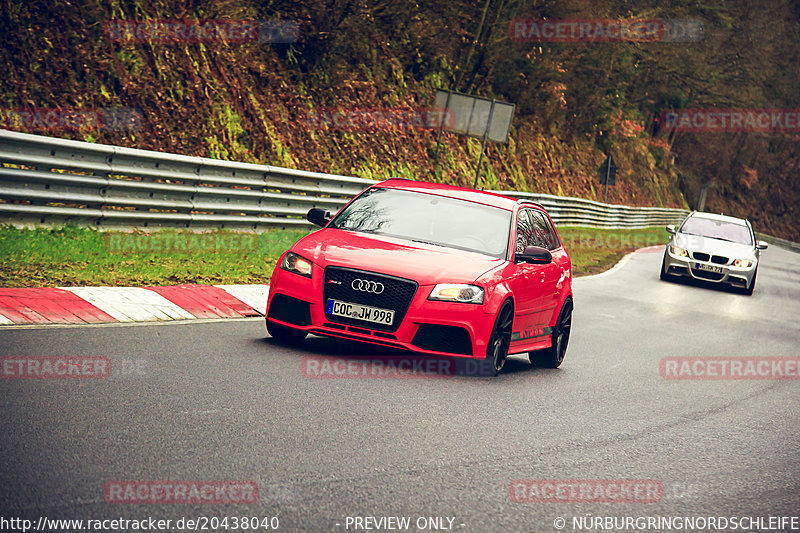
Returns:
(72, 256)
(594, 250)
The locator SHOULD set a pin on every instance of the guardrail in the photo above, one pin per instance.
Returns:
(49, 180)
(777, 241)
(566, 210)
(46, 180)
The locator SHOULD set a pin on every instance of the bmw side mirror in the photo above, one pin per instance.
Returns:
(762, 245)
(318, 216)
(534, 254)
(671, 229)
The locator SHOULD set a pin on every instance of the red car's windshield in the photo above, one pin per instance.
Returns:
(428, 218)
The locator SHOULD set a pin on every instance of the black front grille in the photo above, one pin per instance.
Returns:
(396, 295)
(291, 310)
(704, 274)
(447, 339)
(718, 259)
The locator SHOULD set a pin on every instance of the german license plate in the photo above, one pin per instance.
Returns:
(360, 312)
(709, 268)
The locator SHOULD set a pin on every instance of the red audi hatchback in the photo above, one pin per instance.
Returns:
(430, 268)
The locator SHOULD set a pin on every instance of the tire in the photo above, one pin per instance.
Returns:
(749, 290)
(499, 341)
(285, 335)
(553, 356)
(664, 276)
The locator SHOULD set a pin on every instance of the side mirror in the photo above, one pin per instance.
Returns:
(534, 254)
(318, 216)
(762, 245)
(671, 229)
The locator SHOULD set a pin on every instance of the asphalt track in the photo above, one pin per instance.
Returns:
(218, 400)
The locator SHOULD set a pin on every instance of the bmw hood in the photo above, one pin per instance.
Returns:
(696, 243)
(425, 263)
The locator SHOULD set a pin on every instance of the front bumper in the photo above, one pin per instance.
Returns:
(428, 327)
(676, 265)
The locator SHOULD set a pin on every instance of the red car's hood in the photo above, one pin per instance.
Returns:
(424, 263)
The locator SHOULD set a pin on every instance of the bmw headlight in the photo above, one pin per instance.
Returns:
(294, 263)
(744, 263)
(457, 292)
(674, 250)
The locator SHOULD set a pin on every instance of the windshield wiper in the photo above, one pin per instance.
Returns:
(429, 242)
(727, 240)
(355, 229)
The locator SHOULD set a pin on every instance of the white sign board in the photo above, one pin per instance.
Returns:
(471, 115)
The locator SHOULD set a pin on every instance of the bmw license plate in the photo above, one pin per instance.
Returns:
(360, 312)
(709, 268)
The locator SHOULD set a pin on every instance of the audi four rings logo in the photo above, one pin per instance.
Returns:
(364, 285)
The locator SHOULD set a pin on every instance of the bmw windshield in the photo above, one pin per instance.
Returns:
(717, 229)
(428, 218)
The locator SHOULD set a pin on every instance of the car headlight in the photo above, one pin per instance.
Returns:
(457, 292)
(744, 263)
(674, 250)
(294, 263)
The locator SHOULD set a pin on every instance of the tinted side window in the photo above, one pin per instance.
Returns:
(552, 231)
(524, 231)
(544, 234)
